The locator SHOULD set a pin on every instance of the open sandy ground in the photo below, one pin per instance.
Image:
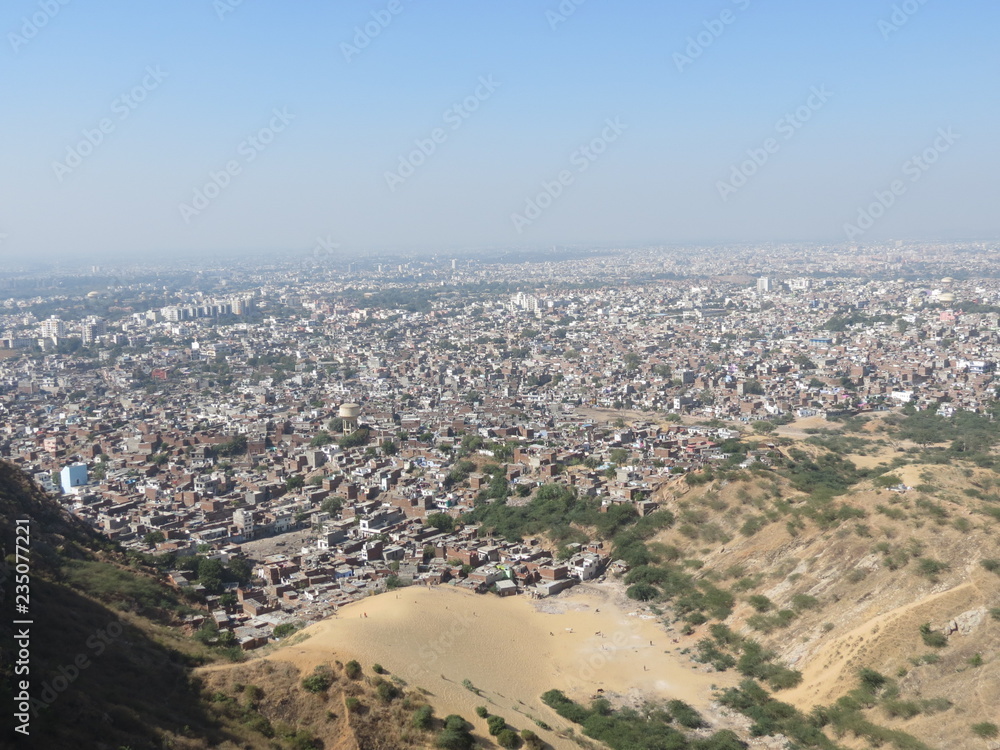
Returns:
(512, 650)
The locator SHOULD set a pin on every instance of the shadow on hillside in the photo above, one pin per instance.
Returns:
(99, 682)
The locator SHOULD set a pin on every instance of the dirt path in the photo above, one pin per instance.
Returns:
(889, 637)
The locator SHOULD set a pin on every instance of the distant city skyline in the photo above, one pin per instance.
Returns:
(219, 128)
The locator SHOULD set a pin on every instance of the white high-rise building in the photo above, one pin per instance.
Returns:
(92, 328)
(764, 284)
(53, 328)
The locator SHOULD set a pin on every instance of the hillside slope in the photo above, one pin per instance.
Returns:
(906, 584)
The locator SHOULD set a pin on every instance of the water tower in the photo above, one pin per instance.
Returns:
(349, 414)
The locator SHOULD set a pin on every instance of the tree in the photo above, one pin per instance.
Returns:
(441, 521)
(235, 446)
(240, 569)
(619, 455)
(320, 439)
(153, 538)
(210, 574)
(294, 482)
(356, 439)
(642, 592)
(389, 447)
(332, 505)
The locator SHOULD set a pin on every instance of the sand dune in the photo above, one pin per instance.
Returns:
(512, 650)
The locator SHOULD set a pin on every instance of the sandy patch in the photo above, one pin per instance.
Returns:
(512, 650)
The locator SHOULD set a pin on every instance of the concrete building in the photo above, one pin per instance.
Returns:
(74, 475)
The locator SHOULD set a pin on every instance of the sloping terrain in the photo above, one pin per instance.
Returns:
(848, 582)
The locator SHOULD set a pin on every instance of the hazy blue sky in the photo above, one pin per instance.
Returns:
(673, 102)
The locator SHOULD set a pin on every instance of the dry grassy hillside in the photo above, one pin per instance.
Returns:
(847, 582)
(265, 703)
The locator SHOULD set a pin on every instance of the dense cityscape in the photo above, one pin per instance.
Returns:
(344, 427)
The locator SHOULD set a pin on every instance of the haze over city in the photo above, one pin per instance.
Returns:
(521, 374)
(145, 130)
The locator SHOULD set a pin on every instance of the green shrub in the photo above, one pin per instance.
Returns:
(386, 691)
(318, 682)
(685, 715)
(352, 669)
(871, 680)
(481, 712)
(933, 638)
(509, 739)
(901, 709)
(532, 740)
(760, 602)
(455, 735)
(783, 678)
(496, 724)
(804, 601)
(255, 722)
(985, 729)
(935, 705)
(423, 718)
(930, 568)
(724, 739)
